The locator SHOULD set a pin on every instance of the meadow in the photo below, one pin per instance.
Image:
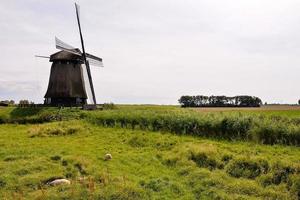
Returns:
(159, 152)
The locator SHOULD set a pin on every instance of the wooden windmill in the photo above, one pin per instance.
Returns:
(70, 81)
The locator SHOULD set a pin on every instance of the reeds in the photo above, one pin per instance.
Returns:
(235, 126)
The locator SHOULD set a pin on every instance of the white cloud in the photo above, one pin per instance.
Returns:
(155, 51)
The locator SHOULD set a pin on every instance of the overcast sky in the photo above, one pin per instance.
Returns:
(155, 51)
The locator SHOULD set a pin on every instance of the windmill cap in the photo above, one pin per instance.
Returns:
(66, 56)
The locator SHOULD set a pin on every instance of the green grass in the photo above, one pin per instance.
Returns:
(146, 164)
(265, 126)
(232, 125)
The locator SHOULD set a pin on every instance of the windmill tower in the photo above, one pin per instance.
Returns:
(70, 82)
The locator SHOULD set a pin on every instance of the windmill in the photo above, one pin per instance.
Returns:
(70, 82)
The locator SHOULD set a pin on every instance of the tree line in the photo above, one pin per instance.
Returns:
(219, 101)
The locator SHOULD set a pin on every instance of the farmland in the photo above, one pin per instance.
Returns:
(159, 152)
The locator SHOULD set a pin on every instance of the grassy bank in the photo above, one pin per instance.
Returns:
(263, 126)
(145, 165)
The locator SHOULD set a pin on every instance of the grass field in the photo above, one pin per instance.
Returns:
(279, 110)
(151, 160)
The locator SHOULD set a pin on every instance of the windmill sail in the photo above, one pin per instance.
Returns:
(94, 60)
(64, 46)
(42, 56)
(87, 85)
(84, 55)
(60, 44)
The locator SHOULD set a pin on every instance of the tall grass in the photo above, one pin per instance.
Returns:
(235, 126)
(245, 126)
(37, 115)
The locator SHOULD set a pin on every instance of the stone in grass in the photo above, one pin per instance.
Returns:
(59, 182)
(108, 156)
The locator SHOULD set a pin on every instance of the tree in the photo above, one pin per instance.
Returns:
(23, 103)
(219, 101)
(186, 101)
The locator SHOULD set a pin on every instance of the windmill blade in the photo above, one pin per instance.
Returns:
(41, 56)
(84, 55)
(87, 85)
(59, 43)
(77, 7)
(94, 60)
(64, 46)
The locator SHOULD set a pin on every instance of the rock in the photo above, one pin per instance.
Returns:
(108, 156)
(59, 182)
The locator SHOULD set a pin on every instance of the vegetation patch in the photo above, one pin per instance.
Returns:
(173, 162)
(295, 187)
(125, 193)
(109, 106)
(60, 129)
(203, 160)
(139, 141)
(155, 185)
(142, 140)
(266, 127)
(247, 168)
(55, 158)
(2, 183)
(232, 126)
